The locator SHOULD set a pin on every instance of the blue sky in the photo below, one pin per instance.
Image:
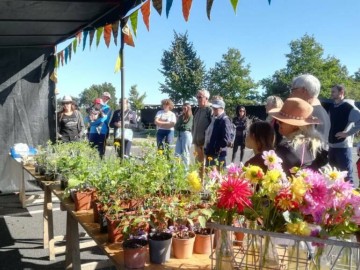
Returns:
(261, 32)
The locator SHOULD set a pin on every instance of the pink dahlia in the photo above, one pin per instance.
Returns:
(234, 193)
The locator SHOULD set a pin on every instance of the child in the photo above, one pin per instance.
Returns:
(260, 138)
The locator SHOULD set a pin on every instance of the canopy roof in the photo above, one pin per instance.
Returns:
(48, 22)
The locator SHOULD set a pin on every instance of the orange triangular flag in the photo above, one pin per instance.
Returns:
(145, 11)
(128, 39)
(78, 36)
(107, 34)
(186, 6)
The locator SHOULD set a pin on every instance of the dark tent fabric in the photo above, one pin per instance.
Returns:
(26, 104)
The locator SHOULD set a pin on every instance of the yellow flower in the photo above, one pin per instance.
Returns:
(160, 152)
(298, 228)
(116, 144)
(298, 188)
(254, 174)
(210, 158)
(272, 182)
(194, 181)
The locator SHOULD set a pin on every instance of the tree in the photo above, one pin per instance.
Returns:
(87, 96)
(306, 56)
(183, 70)
(230, 78)
(135, 99)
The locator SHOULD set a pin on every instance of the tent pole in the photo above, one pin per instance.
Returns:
(122, 146)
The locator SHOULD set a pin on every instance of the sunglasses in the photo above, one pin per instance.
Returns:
(200, 97)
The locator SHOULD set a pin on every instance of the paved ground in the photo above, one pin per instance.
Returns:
(21, 232)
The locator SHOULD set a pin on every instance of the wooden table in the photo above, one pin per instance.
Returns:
(113, 251)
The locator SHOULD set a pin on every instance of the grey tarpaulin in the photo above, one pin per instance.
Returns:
(27, 111)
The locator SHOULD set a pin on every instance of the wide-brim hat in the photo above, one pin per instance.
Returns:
(295, 112)
(218, 104)
(67, 99)
(106, 94)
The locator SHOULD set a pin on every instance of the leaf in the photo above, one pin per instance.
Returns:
(186, 6)
(234, 4)
(209, 4)
(157, 4)
(202, 221)
(115, 31)
(134, 21)
(99, 32)
(145, 11)
(168, 7)
(107, 34)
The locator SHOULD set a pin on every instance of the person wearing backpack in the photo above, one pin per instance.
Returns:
(218, 136)
(241, 123)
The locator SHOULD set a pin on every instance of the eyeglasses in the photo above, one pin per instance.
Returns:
(242, 110)
(65, 103)
(200, 97)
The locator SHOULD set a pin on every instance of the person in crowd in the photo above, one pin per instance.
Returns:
(307, 87)
(183, 126)
(274, 102)
(302, 145)
(130, 122)
(165, 121)
(105, 98)
(358, 161)
(202, 119)
(241, 122)
(345, 122)
(218, 136)
(70, 122)
(260, 138)
(98, 127)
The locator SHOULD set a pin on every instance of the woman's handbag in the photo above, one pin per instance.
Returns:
(128, 134)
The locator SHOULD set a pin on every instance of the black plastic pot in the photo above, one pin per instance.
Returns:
(159, 247)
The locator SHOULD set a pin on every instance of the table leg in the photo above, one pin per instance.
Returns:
(72, 255)
(22, 195)
(49, 241)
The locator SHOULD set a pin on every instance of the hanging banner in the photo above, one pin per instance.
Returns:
(78, 37)
(128, 39)
(168, 7)
(99, 33)
(107, 34)
(134, 21)
(234, 4)
(56, 61)
(145, 11)
(115, 31)
(85, 37)
(157, 4)
(117, 64)
(75, 44)
(186, 6)
(66, 54)
(209, 4)
(91, 34)
(70, 51)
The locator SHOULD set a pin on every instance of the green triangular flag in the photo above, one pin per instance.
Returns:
(234, 4)
(75, 42)
(134, 21)
(56, 61)
(99, 33)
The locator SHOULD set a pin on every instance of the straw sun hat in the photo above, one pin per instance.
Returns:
(295, 112)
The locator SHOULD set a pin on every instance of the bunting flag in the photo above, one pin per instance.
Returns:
(58, 59)
(115, 31)
(56, 64)
(107, 34)
(92, 33)
(128, 39)
(134, 21)
(66, 54)
(62, 57)
(75, 44)
(78, 37)
(209, 4)
(186, 6)
(99, 32)
(168, 7)
(157, 4)
(53, 76)
(145, 10)
(234, 4)
(70, 51)
(117, 64)
(86, 32)
(269, 2)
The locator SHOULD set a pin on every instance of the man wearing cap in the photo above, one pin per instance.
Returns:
(98, 127)
(345, 122)
(218, 135)
(307, 87)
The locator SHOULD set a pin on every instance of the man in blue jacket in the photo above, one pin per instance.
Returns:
(218, 135)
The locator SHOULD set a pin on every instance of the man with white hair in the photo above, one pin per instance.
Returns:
(202, 119)
(307, 87)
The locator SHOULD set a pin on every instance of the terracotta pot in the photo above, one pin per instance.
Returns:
(135, 253)
(115, 232)
(239, 237)
(97, 206)
(83, 200)
(183, 248)
(203, 243)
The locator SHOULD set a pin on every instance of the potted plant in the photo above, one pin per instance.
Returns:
(204, 237)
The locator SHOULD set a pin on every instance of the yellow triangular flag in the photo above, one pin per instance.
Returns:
(118, 64)
(53, 76)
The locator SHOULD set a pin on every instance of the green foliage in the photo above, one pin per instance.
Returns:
(230, 78)
(183, 70)
(306, 56)
(95, 91)
(135, 99)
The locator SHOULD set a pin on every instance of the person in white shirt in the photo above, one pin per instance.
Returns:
(165, 121)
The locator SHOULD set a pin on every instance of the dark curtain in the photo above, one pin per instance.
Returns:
(27, 104)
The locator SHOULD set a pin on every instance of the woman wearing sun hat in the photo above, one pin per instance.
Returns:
(70, 122)
(302, 145)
